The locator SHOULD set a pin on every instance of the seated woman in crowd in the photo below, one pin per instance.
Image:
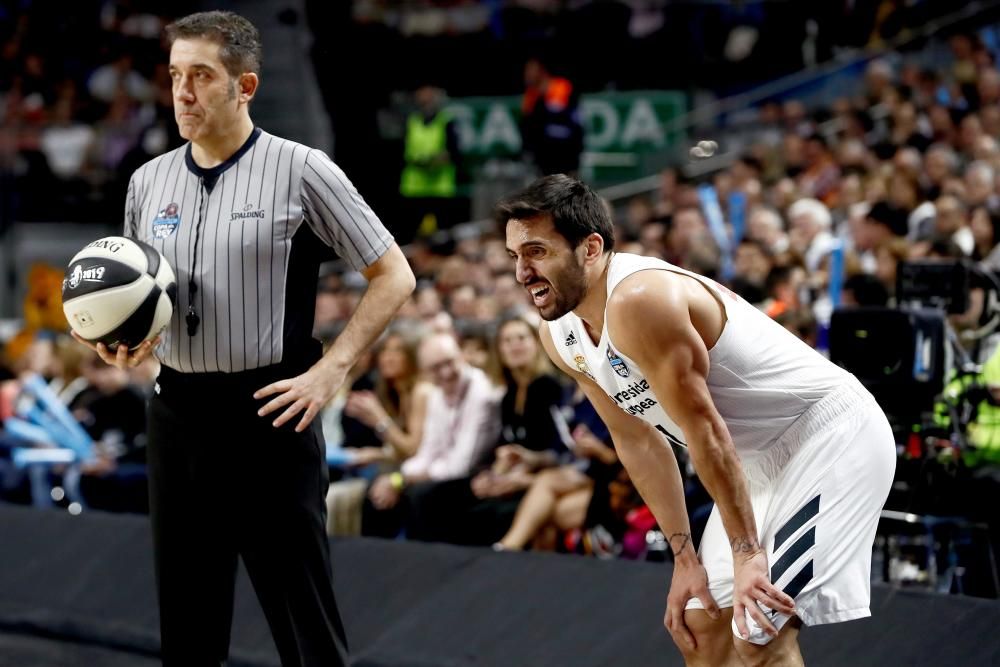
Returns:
(559, 497)
(478, 509)
(388, 408)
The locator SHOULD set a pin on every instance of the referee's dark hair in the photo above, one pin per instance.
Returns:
(577, 211)
(238, 39)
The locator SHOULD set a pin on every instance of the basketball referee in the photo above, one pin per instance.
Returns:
(236, 461)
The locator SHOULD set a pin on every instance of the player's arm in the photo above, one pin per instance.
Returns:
(650, 461)
(653, 468)
(649, 318)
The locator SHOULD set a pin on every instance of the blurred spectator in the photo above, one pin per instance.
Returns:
(639, 212)
(460, 426)
(689, 243)
(462, 306)
(985, 227)
(751, 266)
(766, 227)
(906, 130)
(558, 498)
(616, 523)
(785, 286)
(116, 134)
(512, 299)
(951, 222)
(888, 255)
(820, 177)
(664, 205)
(980, 183)
(551, 129)
(67, 142)
(113, 412)
(393, 406)
(476, 350)
(879, 225)
(116, 77)
(429, 182)
(809, 231)
(393, 409)
(478, 509)
(652, 239)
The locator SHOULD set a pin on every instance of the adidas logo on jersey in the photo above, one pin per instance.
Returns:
(570, 339)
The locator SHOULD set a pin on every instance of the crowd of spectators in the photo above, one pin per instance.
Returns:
(84, 100)
(737, 43)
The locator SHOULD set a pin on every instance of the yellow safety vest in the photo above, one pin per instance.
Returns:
(423, 142)
(984, 432)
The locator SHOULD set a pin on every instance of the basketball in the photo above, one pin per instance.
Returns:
(118, 291)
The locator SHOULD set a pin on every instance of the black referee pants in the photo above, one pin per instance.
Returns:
(224, 482)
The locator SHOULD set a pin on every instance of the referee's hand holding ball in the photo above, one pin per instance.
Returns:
(123, 358)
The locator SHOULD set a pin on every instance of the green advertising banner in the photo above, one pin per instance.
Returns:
(616, 123)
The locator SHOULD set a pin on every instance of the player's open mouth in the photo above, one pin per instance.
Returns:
(540, 294)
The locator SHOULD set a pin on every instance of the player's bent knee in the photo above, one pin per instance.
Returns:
(782, 651)
(755, 655)
(711, 636)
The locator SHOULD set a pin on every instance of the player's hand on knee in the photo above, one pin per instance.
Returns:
(690, 580)
(752, 587)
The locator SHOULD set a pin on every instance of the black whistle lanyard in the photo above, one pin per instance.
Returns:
(192, 318)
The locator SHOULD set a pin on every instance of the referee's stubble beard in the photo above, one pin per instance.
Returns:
(211, 106)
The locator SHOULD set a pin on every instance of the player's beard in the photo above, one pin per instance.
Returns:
(568, 286)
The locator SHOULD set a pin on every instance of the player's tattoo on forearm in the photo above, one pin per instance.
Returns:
(678, 541)
(744, 545)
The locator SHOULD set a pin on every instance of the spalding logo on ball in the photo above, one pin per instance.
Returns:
(118, 291)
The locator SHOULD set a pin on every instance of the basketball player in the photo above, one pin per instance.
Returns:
(795, 452)
(237, 462)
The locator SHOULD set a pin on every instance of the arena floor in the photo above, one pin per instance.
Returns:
(78, 591)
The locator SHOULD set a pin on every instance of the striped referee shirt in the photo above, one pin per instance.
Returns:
(252, 231)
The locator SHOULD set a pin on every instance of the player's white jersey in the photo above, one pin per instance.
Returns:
(762, 378)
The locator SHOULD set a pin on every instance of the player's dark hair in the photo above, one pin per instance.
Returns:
(576, 210)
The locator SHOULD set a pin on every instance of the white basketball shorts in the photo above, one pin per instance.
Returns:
(817, 517)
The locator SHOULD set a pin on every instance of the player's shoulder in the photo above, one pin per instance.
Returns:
(646, 311)
(650, 292)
